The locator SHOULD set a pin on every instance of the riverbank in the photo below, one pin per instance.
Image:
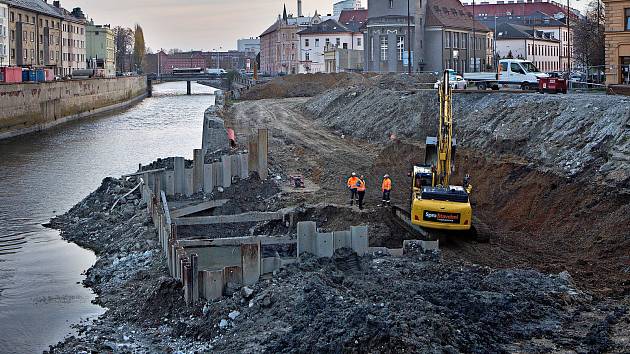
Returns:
(469, 298)
(31, 107)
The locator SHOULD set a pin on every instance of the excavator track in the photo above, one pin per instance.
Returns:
(479, 232)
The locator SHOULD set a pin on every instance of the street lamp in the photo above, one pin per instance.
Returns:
(408, 39)
(474, 38)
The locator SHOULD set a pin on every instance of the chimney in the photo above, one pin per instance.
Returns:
(56, 4)
(299, 8)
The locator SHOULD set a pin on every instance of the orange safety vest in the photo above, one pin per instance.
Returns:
(352, 182)
(361, 186)
(387, 184)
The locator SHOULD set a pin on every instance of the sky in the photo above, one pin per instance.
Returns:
(194, 24)
(201, 24)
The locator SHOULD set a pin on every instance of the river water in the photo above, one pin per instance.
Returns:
(45, 174)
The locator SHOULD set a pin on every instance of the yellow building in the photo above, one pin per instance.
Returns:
(617, 32)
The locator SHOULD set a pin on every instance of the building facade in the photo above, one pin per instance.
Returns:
(227, 60)
(617, 47)
(440, 33)
(523, 42)
(100, 49)
(34, 35)
(543, 15)
(248, 45)
(73, 38)
(4, 34)
(326, 36)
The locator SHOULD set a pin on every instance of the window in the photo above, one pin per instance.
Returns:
(456, 40)
(41, 22)
(25, 54)
(19, 17)
(317, 42)
(306, 42)
(12, 53)
(391, 4)
(383, 47)
(448, 40)
(307, 56)
(372, 48)
(627, 19)
(327, 41)
(41, 39)
(400, 46)
(32, 36)
(12, 16)
(359, 41)
(337, 42)
(52, 55)
(345, 45)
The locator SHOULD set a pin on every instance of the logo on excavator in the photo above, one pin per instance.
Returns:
(441, 217)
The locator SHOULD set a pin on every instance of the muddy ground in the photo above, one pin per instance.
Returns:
(554, 278)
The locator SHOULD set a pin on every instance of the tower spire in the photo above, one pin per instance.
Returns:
(284, 13)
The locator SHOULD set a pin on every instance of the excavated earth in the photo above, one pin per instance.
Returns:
(551, 180)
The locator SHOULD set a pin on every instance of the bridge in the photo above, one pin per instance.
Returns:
(223, 83)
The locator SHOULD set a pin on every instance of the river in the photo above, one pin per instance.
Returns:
(44, 174)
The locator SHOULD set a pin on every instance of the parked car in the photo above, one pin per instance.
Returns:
(456, 81)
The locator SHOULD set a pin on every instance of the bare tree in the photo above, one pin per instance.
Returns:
(588, 37)
(174, 51)
(123, 41)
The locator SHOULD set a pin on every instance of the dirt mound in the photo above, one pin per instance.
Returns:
(393, 305)
(303, 85)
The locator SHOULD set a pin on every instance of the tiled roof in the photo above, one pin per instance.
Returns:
(514, 31)
(353, 15)
(451, 14)
(328, 26)
(36, 6)
(520, 9)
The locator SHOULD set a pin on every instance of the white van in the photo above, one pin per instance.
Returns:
(512, 72)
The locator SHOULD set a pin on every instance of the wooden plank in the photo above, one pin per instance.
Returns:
(228, 219)
(191, 209)
(143, 172)
(235, 241)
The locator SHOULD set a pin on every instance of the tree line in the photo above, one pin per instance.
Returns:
(130, 48)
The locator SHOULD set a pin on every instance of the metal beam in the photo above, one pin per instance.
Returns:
(191, 209)
(227, 219)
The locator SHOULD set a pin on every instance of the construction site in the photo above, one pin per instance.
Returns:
(508, 230)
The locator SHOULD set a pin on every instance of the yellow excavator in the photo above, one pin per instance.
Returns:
(437, 206)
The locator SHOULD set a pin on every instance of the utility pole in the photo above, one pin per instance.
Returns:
(408, 39)
(569, 37)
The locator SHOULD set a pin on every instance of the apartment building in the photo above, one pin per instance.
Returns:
(518, 41)
(100, 49)
(617, 33)
(34, 34)
(4, 34)
(73, 38)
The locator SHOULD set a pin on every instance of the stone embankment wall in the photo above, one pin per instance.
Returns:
(29, 107)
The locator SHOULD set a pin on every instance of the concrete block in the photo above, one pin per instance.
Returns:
(188, 182)
(244, 165)
(325, 244)
(217, 173)
(271, 264)
(187, 282)
(252, 158)
(211, 284)
(359, 239)
(250, 263)
(226, 178)
(425, 245)
(194, 277)
(208, 178)
(342, 239)
(169, 181)
(306, 233)
(263, 153)
(233, 276)
(180, 183)
(198, 170)
(235, 164)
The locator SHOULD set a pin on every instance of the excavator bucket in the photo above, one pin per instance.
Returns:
(431, 151)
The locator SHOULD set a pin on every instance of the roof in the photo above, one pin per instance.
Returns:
(271, 28)
(451, 13)
(67, 15)
(36, 6)
(328, 26)
(514, 31)
(353, 19)
(537, 19)
(522, 9)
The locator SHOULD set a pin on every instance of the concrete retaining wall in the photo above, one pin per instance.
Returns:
(29, 107)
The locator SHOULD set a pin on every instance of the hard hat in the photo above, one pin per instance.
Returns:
(386, 176)
(354, 174)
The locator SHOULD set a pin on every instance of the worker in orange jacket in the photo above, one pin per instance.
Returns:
(352, 186)
(361, 191)
(386, 188)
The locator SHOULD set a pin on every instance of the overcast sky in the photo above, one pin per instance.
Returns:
(200, 24)
(194, 24)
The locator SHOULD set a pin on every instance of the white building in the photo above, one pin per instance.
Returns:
(315, 39)
(248, 45)
(523, 42)
(4, 35)
(345, 5)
